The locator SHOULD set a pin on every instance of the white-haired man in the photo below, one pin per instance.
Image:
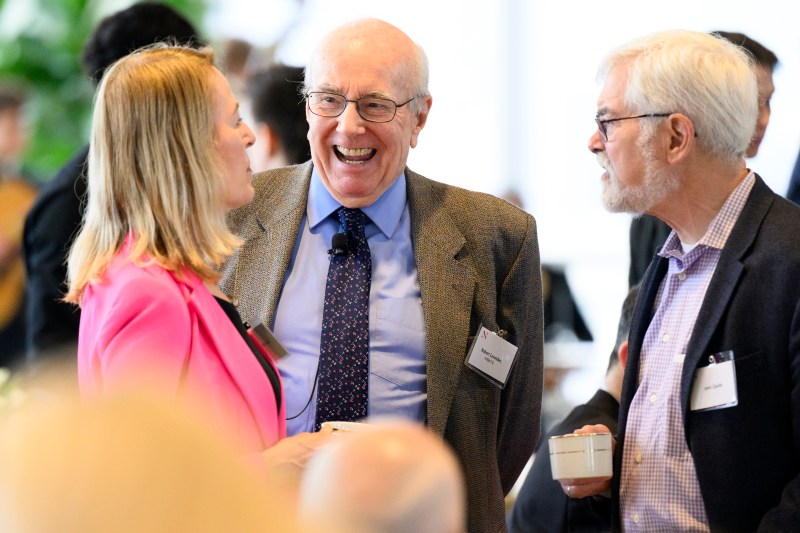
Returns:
(447, 266)
(708, 437)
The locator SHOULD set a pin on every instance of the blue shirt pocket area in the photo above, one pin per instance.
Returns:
(397, 347)
(406, 312)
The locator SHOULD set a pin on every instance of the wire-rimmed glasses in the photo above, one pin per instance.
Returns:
(602, 123)
(370, 108)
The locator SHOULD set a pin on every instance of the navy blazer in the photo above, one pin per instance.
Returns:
(747, 457)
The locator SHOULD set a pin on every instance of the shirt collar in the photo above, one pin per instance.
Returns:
(384, 212)
(720, 228)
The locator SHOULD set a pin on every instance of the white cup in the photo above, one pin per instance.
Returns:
(347, 426)
(581, 456)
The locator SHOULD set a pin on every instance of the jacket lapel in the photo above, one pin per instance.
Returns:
(271, 229)
(642, 316)
(245, 372)
(447, 285)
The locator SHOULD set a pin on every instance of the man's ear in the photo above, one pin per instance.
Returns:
(682, 137)
(622, 351)
(422, 118)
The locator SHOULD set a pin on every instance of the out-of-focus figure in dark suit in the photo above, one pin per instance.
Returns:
(541, 505)
(56, 216)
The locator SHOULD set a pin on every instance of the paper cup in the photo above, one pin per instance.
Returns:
(580, 456)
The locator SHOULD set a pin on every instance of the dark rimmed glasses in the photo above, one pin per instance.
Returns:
(370, 108)
(602, 123)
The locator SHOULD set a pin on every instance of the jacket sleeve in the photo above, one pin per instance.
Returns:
(144, 340)
(786, 516)
(521, 314)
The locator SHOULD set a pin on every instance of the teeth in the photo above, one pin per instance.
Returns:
(353, 152)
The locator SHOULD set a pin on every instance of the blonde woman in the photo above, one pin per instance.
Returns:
(167, 160)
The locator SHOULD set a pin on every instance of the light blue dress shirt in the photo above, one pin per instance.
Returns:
(397, 380)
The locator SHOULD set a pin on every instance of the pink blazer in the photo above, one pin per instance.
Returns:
(148, 328)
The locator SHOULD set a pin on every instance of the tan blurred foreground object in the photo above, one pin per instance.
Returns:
(396, 477)
(125, 463)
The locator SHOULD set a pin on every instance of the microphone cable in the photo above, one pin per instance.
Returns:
(338, 247)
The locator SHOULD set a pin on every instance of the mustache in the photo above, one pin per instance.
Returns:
(602, 160)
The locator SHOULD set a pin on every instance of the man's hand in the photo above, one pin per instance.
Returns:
(593, 486)
(286, 459)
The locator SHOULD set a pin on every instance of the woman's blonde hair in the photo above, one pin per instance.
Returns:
(152, 172)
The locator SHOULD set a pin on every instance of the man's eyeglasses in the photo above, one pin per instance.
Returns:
(370, 108)
(602, 124)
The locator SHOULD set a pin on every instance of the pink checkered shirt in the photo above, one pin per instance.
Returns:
(659, 490)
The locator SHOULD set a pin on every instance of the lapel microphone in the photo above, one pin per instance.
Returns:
(338, 244)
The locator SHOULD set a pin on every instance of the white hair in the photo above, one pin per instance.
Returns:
(419, 73)
(705, 77)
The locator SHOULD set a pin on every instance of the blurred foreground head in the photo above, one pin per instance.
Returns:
(396, 477)
(127, 463)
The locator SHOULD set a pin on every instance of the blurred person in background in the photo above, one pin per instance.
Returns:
(167, 160)
(17, 194)
(647, 232)
(276, 106)
(234, 59)
(56, 215)
(563, 326)
(793, 193)
(541, 505)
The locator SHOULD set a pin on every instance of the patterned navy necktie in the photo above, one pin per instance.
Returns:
(342, 390)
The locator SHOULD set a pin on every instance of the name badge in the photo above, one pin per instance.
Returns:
(263, 336)
(491, 356)
(715, 385)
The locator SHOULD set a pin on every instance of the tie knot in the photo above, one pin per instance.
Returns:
(352, 220)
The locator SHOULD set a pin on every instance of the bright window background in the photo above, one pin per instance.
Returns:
(514, 93)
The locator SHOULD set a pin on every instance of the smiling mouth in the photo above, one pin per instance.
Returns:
(353, 156)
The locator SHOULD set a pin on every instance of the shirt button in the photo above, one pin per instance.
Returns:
(682, 276)
(638, 458)
(636, 517)
(665, 337)
(653, 398)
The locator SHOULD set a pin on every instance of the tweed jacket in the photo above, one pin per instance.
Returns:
(478, 263)
(747, 457)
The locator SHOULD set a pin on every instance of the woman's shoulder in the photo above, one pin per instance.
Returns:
(123, 267)
(138, 279)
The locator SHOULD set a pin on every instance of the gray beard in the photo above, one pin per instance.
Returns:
(657, 184)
